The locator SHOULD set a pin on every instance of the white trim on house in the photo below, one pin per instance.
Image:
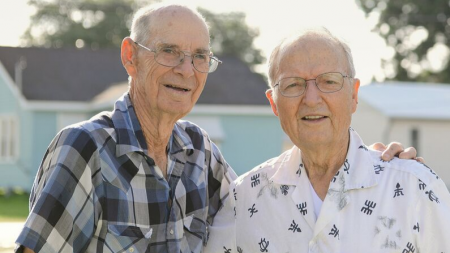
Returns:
(12, 86)
(211, 124)
(60, 106)
(201, 109)
(9, 135)
(68, 118)
(233, 109)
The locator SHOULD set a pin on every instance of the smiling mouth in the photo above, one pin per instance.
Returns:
(176, 88)
(313, 117)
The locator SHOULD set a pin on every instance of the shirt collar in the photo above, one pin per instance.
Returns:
(358, 166)
(130, 137)
(180, 139)
(357, 170)
(289, 167)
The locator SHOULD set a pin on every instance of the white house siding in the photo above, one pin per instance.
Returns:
(370, 123)
(434, 135)
(434, 142)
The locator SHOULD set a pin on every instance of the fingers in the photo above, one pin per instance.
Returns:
(409, 153)
(420, 159)
(396, 149)
(378, 146)
(393, 149)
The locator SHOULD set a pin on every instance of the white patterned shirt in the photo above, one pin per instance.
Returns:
(371, 206)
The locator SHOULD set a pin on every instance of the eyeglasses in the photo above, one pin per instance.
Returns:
(296, 86)
(171, 57)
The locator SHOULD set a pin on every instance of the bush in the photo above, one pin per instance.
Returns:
(13, 205)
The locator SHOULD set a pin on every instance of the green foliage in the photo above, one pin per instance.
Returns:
(93, 23)
(13, 206)
(412, 28)
(104, 23)
(230, 35)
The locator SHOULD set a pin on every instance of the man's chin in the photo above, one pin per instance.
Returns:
(181, 109)
(315, 140)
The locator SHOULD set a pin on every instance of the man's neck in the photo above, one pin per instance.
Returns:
(157, 129)
(322, 164)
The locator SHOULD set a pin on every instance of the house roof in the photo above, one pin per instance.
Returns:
(66, 74)
(80, 75)
(408, 100)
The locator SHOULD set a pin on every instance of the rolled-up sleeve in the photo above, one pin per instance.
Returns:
(62, 212)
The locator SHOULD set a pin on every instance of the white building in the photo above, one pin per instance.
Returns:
(415, 114)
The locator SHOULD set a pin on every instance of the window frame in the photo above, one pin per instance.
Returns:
(9, 138)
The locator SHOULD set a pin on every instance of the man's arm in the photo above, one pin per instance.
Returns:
(221, 212)
(62, 196)
(222, 232)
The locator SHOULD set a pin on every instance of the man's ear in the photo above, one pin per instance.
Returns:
(128, 56)
(269, 95)
(356, 84)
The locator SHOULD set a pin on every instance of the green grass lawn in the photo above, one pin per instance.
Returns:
(13, 207)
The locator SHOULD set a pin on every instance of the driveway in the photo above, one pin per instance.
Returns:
(8, 235)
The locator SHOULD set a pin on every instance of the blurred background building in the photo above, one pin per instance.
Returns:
(44, 90)
(64, 67)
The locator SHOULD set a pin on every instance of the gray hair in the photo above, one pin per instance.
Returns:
(274, 60)
(141, 26)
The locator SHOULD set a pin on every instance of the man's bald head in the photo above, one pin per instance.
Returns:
(155, 17)
(291, 42)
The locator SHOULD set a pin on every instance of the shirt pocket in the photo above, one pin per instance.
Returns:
(127, 237)
(195, 232)
(389, 251)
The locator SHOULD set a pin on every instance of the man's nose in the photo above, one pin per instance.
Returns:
(312, 95)
(186, 67)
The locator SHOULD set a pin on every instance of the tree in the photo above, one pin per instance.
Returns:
(230, 35)
(104, 23)
(419, 32)
(81, 23)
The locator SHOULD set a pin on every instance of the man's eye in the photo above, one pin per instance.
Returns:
(168, 51)
(292, 85)
(200, 56)
(331, 82)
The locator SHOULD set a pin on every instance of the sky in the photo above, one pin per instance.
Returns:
(274, 19)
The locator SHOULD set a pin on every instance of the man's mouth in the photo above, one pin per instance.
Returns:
(313, 117)
(176, 88)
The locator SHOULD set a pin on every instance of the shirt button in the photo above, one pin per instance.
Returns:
(131, 249)
(171, 231)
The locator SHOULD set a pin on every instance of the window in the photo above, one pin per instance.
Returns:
(415, 139)
(211, 125)
(8, 138)
(66, 119)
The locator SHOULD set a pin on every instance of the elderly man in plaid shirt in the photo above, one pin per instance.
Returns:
(137, 179)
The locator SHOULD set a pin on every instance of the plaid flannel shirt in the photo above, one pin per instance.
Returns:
(97, 190)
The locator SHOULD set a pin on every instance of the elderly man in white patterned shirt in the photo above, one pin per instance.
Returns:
(329, 193)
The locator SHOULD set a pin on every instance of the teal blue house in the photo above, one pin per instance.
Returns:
(44, 90)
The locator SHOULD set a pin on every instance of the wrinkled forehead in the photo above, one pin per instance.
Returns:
(175, 24)
(309, 55)
(312, 49)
